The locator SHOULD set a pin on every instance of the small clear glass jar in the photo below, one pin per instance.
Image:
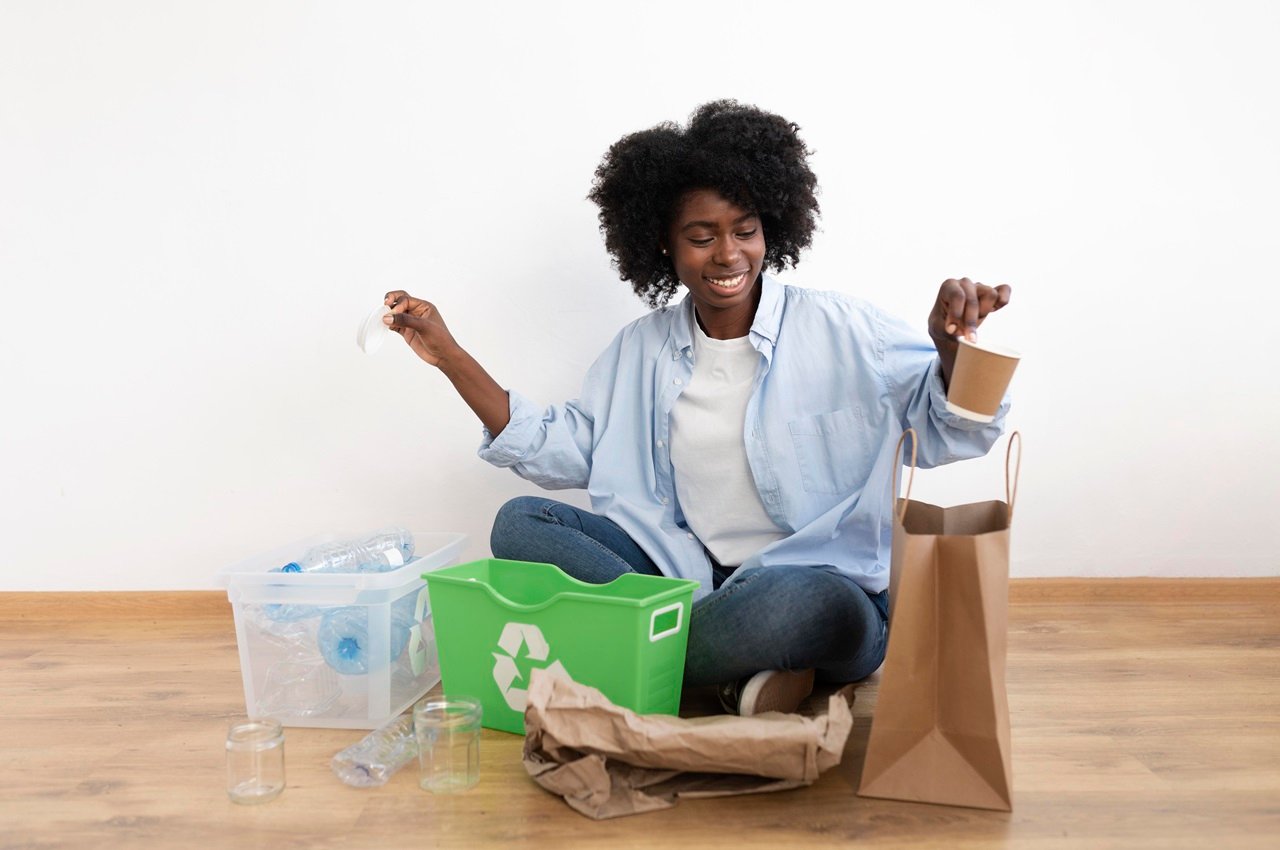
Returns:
(448, 732)
(255, 761)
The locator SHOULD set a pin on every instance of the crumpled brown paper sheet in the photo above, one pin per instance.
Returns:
(607, 761)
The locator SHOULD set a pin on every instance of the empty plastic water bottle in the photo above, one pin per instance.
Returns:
(387, 549)
(290, 613)
(378, 755)
(381, 551)
(343, 635)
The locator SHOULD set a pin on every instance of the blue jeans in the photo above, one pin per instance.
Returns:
(774, 618)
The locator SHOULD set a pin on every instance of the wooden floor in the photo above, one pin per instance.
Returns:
(1145, 714)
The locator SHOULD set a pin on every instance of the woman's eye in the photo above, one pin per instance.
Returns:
(747, 234)
(701, 243)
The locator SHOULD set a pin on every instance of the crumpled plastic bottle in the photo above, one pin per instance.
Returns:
(343, 635)
(378, 755)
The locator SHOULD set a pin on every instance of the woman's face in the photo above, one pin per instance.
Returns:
(718, 252)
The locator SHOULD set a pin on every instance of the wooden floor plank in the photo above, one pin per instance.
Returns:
(1145, 714)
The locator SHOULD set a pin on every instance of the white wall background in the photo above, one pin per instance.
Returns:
(199, 201)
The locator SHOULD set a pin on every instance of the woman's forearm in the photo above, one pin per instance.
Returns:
(480, 391)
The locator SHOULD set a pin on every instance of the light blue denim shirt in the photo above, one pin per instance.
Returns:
(839, 381)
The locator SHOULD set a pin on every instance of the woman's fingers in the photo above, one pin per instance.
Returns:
(971, 313)
(1003, 292)
(422, 321)
(400, 301)
(402, 322)
(390, 321)
(965, 303)
(991, 298)
(953, 300)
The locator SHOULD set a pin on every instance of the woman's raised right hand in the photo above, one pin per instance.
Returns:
(420, 324)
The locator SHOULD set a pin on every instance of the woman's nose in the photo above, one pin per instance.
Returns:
(727, 252)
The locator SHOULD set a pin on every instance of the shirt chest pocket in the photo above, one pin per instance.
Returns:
(833, 451)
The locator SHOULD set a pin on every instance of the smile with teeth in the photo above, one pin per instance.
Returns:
(726, 282)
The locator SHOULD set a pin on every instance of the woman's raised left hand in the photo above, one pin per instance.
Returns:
(961, 306)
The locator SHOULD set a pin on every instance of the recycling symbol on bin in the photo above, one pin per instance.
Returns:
(505, 672)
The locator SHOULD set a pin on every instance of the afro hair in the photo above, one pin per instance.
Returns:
(752, 158)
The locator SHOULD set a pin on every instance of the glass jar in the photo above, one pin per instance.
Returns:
(448, 731)
(255, 761)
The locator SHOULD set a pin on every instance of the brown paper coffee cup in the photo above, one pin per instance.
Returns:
(978, 380)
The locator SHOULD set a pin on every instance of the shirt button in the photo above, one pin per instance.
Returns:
(689, 535)
(677, 382)
(661, 444)
(665, 500)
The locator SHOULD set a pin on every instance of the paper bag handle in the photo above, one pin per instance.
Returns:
(1011, 485)
(897, 466)
(1010, 482)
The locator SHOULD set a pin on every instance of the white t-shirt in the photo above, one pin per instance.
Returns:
(713, 478)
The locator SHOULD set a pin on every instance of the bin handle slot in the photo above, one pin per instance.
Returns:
(417, 643)
(678, 607)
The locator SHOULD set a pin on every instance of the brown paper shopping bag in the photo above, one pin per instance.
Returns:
(940, 732)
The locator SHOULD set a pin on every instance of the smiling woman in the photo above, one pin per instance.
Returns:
(743, 438)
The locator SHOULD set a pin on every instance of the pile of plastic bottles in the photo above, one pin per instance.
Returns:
(343, 632)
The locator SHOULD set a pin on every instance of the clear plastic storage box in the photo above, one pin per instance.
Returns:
(339, 650)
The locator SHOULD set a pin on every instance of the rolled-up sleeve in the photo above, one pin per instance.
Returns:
(549, 446)
(553, 446)
(913, 375)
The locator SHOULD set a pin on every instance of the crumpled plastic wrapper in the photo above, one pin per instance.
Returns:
(607, 761)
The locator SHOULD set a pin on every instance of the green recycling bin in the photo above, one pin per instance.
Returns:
(498, 620)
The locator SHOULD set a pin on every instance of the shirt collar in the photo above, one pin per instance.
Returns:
(764, 328)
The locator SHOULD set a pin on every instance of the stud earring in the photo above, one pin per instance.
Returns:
(664, 252)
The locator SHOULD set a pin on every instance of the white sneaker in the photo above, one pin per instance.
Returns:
(768, 690)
